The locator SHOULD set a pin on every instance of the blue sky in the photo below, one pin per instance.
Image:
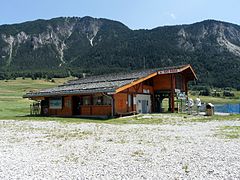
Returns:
(136, 14)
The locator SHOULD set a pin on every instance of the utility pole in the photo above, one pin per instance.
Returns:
(144, 63)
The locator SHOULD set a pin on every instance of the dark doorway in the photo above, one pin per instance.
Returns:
(76, 105)
(159, 97)
(44, 107)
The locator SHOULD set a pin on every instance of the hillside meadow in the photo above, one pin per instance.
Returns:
(14, 107)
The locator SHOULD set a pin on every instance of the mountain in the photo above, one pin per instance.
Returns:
(73, 45)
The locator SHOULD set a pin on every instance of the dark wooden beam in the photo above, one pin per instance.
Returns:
(172, 92)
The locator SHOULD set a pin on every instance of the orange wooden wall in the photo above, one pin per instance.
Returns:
(101, 110)
(87, 110)
(121, 99)
(162, 82)
(121, 105)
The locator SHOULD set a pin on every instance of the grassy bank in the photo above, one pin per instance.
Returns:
(229, 132)
(12, 105)
(220, 100)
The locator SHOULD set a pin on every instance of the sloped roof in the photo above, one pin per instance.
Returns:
(104, 83)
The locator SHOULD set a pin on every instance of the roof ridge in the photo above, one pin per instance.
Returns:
(113, 80)
(115, 76)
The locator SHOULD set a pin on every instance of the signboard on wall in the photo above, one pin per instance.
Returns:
(55, 103)
(169, 71)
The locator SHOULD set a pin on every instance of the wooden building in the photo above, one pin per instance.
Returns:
(116, 94)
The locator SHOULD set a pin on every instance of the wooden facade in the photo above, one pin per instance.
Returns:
(141, 95)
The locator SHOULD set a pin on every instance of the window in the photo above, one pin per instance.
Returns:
(55, 103)
(102, 100)
(107, 100)
(86, 100)
(129, 100)
(146, 91)
(97, 100)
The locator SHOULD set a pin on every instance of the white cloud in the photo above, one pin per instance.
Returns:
(172, 15)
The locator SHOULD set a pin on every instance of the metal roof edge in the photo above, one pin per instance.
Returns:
(32, 95)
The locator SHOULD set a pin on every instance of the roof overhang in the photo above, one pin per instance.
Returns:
(161, 72)
(135, 82)
(62, 93)
(179, 70)
(194, 76)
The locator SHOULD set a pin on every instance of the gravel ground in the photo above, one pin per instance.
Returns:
(51, 150)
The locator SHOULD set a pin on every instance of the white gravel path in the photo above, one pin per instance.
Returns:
(51, 150)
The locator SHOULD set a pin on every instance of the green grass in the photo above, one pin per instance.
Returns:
(229, 132)
(14, 107)
(218, 118)
(220, 100)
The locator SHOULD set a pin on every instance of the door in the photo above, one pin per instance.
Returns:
(76, 105)
(158, 103)
(144, 106)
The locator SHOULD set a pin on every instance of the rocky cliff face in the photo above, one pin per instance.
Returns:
(54, 34)
(93, 45)
(221, 36)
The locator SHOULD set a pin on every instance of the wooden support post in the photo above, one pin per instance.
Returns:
(91, 103)
(172, 92)
(172, 102)
(113, 105)
(186, 86)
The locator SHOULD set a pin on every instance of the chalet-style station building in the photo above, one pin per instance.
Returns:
(116, 94)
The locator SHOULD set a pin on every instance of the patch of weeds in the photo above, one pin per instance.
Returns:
(164, 149)
(55, 161)
(122, 141)
(79, 134)
(177, 137)
(69, 135)
(138, 153)
(141, 141)
(186, 168)
(15, 140)
(201, 118)
(110, 140)
(229, 132)
(72, 158)
(140, 119)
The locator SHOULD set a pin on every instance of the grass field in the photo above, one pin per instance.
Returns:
(13, 106)
(221, 100)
